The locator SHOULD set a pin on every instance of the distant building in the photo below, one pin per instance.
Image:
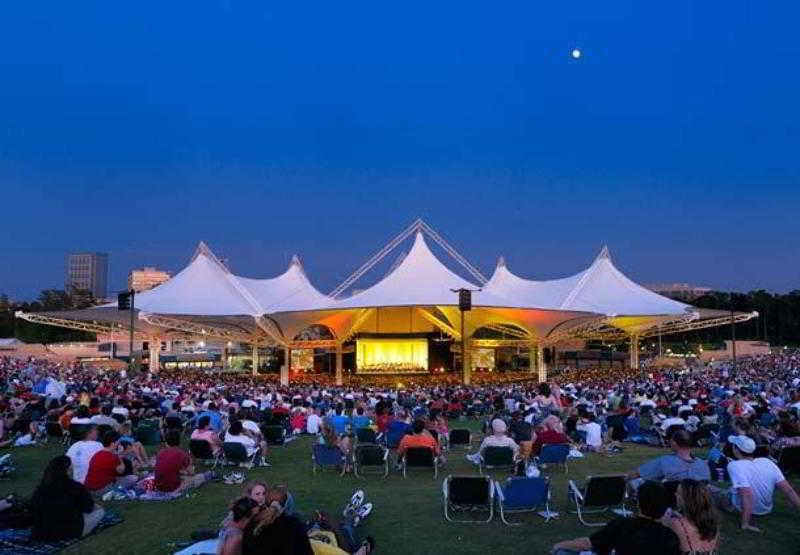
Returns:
(146, 278)
(89, 271)
(679, 291)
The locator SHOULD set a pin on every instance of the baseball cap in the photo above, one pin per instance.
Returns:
(743, 443)
(498, 425)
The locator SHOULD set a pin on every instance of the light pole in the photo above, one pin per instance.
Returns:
(464, 305)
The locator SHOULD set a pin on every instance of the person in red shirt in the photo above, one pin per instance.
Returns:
(552, 433)
(384, 419)
(106, 468)
(420, 438)
(173, 470)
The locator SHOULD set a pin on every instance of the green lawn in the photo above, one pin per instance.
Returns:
(407, 518)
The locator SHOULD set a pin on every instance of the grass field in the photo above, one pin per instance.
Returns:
(407, 518)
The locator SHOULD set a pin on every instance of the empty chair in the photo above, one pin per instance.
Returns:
(236, 453)
(599, 494)
(523, 495)
(54, 430)
(470, 494)
(274, 435)
(368, 455)
(419, 457)
(366, 435)
(327, 456)
(497, 457)
(202, 451)
(460, 437)
(148, 432)
(554, 453)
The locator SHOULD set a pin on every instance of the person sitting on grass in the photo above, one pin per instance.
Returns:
(753, 483)
(497, 439)
(236, 434)
(329, 536)
(593, 431)
(676, 466)
(81, 453)
(552, 433)
(642, 534)
(106, 468)
(131, 449)
(695, 522)
(61, 507)
(420, 438)
(173, 469)
(275, 532)
(230, 537)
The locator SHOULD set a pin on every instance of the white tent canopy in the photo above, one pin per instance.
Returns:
(601, 289)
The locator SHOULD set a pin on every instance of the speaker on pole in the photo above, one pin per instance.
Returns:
(464, 300)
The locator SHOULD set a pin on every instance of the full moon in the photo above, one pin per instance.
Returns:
(576, 53)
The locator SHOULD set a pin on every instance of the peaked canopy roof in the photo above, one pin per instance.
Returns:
(601, 289)
(419, 280)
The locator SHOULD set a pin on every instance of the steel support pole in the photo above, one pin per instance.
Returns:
(540, 365)
(634, 362)
(287, 356)
(255, 360)
(155, 354)
(466, 369)
(131, 368)
(339, 379)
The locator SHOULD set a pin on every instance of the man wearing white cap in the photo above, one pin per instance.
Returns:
(497, 439)
(753, 482)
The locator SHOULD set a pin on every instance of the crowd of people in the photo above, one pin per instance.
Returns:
(745, 415)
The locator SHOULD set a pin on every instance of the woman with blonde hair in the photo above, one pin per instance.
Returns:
(696, 523)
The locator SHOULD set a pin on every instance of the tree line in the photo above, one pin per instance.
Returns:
(49, 300)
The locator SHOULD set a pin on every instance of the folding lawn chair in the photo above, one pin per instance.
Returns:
(274, 434)
(236, 453)
(148, 432)
(468, 493)
(370, 455)
(366, 435)
(599, 494)
(523, 495)
(553, 453)
(497, 457)
(327, 456)
(419, 457)
(459, 437)
(201, 450)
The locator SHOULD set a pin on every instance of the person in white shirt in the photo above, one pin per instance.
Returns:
(673, 420)
(313, 422)
(81, 452)
(235, 435)
(753, 482)
(497, 439)
(593, 431)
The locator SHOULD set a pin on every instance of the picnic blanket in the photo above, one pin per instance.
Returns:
(18, 542)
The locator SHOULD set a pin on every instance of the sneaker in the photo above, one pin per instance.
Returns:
(264, 464)
(355, 502)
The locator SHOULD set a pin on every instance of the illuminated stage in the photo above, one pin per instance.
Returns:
(392, 356)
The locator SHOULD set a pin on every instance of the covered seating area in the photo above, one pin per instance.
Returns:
(402, 316)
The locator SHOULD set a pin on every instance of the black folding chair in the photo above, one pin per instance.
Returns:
(201, 450)
(468, 494)
(419, 457)
(368, 455)
(366, 435)
(274, 435)
(598, 494)
(460, 437)
(236, 453)
(497, 457)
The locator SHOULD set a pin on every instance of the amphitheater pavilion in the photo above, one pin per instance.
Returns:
(391, 325)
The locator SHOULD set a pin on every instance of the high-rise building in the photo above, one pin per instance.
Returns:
(89, 271)
(146, 278)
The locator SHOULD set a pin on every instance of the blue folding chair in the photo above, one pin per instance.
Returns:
(554, 453)
(327, 456)
(524, 495)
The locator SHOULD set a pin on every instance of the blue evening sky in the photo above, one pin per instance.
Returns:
(323, 129)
